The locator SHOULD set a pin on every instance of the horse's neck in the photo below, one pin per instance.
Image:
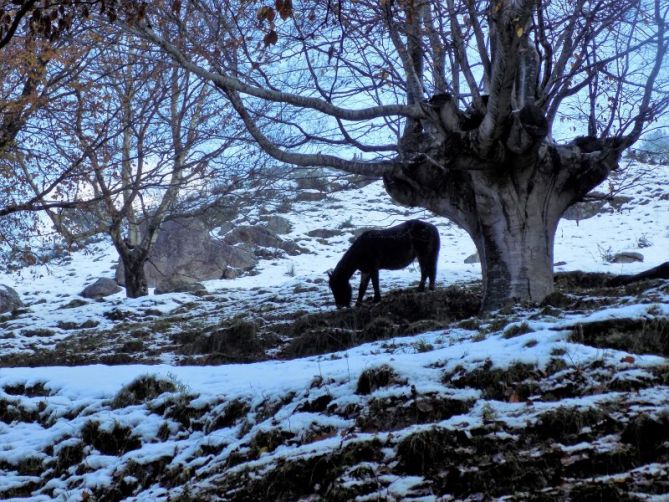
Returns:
(344, 269)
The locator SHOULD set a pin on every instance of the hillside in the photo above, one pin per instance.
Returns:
(258, 389)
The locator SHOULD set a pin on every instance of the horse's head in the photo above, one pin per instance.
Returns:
(341, 289)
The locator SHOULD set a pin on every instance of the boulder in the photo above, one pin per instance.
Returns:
(278, 225)
(627, 257)
(258, 236)
(178, 284)
(9, 299)
(185, 248)
(473, 258)
(101, 288)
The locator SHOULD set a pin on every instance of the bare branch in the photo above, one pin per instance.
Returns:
(227, 82)
(373, 169)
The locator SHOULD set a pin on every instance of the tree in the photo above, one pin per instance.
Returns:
(454, 103)
(136, 133)
(38, 61)
(36, 73)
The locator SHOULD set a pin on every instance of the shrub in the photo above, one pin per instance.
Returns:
(142, 389)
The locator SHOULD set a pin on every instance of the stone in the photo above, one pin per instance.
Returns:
(9, 299)
(473, 258)
(101, 288)
(627, 257)
(179, 284)
(259, 236)
(278, 224)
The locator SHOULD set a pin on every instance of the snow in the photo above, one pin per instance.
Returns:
(80, 394)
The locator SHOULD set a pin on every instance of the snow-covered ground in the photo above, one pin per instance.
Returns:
(47, 449)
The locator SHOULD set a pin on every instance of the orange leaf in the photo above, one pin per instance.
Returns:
(627, 359)
(271, 38)
(266, 13)
(284, 8)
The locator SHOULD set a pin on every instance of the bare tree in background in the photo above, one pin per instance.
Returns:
(38, 62)
(141, 131)
(454, 103)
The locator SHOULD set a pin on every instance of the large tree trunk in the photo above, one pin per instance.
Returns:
(514, 236)
(509, 198)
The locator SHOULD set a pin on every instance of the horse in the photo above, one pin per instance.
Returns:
(391, 249)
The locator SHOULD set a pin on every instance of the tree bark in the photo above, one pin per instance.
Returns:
(514, 238)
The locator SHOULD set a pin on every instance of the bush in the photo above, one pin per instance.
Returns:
(142, 389)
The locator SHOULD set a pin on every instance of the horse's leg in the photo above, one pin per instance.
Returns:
(423, 278)
(428, 270)
(432, 271)
(364, 282)
(375, 284)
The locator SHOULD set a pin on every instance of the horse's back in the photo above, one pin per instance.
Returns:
(394, 247)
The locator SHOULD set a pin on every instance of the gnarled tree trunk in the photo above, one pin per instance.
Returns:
(509, 200)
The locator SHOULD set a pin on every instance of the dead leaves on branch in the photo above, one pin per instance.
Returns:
(50, 20)
(267, 13)
(284, 8)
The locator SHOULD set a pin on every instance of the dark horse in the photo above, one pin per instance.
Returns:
(393, 248)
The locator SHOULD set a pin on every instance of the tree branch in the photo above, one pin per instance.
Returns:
(374, 169)
(234, 84)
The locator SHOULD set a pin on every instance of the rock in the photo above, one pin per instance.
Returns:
(584, 210)
(179, 285)
(278, 225)
(9, 299)
(473, 258)
(590, 208)
(324, 233)
(627, 257)
(101, 288)
(310, 196)
(185, 248)
(259, 236)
